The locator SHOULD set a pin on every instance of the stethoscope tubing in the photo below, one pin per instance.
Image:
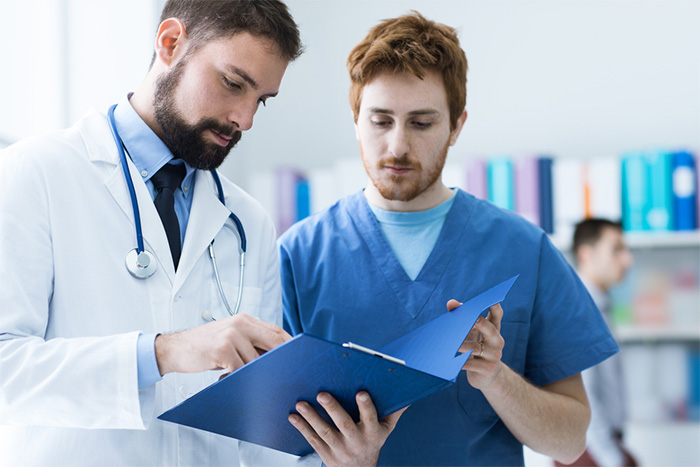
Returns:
(129, 181)
(243, 244)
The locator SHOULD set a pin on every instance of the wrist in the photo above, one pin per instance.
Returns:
(162, 346)
(499, 383)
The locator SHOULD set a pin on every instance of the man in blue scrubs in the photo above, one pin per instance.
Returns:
(385, 261)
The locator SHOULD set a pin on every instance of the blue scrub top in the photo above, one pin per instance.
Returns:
(341, 281)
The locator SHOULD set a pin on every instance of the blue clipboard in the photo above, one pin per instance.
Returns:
(252, 403)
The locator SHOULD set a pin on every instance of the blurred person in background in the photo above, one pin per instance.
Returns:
(602, 260)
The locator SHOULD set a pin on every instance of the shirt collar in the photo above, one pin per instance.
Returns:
(145, 148)
(414, 217)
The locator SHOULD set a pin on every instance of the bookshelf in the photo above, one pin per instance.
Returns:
(646, 240)
(657, 315)
(631, 334)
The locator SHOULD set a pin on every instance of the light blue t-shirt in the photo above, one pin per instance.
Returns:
(412, 235)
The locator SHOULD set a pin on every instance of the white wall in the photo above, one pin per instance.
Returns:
(63, 57)
(568, 77)
(31, 75)
(573, 78)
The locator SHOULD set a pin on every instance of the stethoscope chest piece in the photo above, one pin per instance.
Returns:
(141, 265)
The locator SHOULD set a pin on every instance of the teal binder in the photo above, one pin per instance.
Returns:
(252, 403)
(501, 187)
(659, 215)
(635, 182)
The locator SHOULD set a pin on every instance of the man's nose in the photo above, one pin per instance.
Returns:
(242, 115)
(399, 144)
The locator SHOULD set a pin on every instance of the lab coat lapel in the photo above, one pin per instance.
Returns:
(154, 236)
(101, 149)
(207, 217)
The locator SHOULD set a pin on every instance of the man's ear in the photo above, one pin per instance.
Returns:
(458, 127)
(583, 254)
(170, 41)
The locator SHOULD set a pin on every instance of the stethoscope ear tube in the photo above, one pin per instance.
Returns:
(139, 262)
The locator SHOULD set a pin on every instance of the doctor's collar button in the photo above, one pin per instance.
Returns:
(144, 173)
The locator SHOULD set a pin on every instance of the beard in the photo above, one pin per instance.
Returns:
(401, 187)
(187, 141)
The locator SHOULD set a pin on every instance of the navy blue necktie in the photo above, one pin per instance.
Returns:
(166, 181)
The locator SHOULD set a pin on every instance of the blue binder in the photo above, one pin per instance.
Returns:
(684, 192)
(252, 403)
(546, 206)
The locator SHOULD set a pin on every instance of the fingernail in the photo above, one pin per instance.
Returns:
(324, 398)
(363, 396)
(293, 419)
(301, 407)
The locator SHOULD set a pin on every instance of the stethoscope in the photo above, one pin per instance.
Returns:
(142, 264)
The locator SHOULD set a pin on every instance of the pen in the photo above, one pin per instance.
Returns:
(373, 352)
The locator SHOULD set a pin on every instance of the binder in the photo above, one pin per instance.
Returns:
(635, 188)
(567, 195)
(605, 182)
(660, 212)
(546, 204)
(684, 191)
(527, 191)
(287, 180)
(303, 199)
(477, 183)
(500, 183)
(252, 403)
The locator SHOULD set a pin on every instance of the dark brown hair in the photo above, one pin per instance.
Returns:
(589, 231)
(206, 20)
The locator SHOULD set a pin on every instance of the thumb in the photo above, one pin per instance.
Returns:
(390, 420)
(452, 304)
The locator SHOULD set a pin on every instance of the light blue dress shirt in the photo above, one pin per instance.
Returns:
(149, 154)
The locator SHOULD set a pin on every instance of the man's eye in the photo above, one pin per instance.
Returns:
(262, 101)
(230, 84)
(380, 123)
(422, 125)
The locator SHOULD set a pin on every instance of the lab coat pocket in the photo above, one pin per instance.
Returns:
(472, 400)
(250, 300)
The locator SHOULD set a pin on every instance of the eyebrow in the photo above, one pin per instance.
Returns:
(379, 110)
(247, 78)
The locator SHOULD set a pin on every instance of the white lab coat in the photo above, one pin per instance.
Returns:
(70, 312)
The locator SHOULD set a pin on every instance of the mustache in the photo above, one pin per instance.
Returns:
(228, 131)
(399, 162)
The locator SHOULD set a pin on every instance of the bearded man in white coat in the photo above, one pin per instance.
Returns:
(89, 354)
